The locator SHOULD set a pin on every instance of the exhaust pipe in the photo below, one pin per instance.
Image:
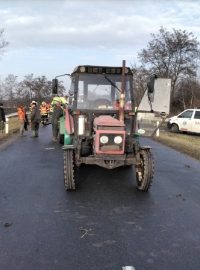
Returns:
(81, 125)
(122, 95)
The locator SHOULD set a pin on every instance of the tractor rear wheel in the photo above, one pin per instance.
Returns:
(70, 170)
(145, 171)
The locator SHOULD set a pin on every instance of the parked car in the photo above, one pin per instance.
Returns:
(186, 121)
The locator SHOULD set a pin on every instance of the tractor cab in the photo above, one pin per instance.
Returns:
(99, 88)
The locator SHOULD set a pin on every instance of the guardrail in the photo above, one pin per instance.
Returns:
(12, 125)
(10, 110)
(8, 123)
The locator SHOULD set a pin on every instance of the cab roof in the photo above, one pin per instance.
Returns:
(111, 70)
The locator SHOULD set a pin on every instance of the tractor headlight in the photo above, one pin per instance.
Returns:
(104, 139)
(118, 139)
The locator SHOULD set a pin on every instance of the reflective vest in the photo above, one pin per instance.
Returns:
(62, 100)
(43, 109)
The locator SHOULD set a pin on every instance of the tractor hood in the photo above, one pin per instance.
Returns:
(108, 121)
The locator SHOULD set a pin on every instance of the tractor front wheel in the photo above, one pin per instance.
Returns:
(145, 170)
(70, 170)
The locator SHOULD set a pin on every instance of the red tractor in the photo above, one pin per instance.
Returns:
(100, 125)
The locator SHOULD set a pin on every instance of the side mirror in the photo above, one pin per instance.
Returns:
(151, 83)
(160, 98)
(151, 87)
(55, 86)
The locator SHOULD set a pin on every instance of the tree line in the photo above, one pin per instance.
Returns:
(171, 54)
(14, 92)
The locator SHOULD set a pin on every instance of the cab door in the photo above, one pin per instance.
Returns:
(196, 122)
(184, 120)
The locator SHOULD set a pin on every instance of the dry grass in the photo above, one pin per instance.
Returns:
(188, 144)
(14, 126)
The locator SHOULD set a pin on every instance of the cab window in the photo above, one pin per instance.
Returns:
(197, 115)
(186, 114)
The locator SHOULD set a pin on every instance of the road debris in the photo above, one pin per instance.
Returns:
(187, 166)
(7, 224)
(85, 231)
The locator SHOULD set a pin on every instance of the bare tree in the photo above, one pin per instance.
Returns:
(39, 89)
(3, 42)
(140, 78)
(189, 94)
(10, 86)
(173, 55)
(30, 88)
(2, 92)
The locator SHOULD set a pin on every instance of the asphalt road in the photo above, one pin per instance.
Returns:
(107, 223)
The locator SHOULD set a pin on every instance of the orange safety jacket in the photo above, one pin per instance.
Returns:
(48, 106)
(21, 113)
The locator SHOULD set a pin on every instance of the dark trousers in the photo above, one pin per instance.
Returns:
(55, 129)
(35, 128)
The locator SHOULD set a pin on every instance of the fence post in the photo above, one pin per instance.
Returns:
(7, 125)
(157, 131)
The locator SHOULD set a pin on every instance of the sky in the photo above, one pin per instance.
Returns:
(51, 37)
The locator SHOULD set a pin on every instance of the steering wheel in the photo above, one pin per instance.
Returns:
(101, 102)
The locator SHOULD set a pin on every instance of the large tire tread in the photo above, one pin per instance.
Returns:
(144, 176)
(70, 176)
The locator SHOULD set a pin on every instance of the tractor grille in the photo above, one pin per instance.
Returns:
(110, 145)
(110, 148)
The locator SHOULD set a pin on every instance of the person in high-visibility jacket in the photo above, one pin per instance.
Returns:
(44, 113)
(22, 118)
(43, 108)
(57, 113)
(61, 100)
(48, 106)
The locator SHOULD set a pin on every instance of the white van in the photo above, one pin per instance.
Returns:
(186, 121)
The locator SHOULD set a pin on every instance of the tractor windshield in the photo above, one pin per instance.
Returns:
(95, 91)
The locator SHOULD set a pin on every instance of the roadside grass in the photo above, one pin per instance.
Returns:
(14, 126)
(185, 143)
